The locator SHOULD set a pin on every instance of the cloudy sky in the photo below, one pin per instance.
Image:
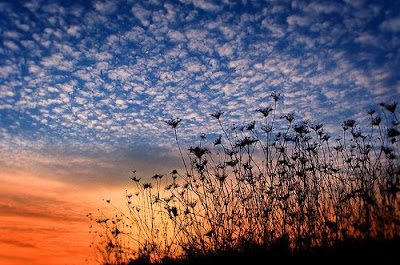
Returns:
(85, 86)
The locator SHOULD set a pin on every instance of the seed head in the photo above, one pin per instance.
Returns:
(275, 96)
(173, 122)
(217, 114)
(389, 107)
(265, 111)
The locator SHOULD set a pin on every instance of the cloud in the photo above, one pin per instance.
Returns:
(225, 50)
(12, 34)
(40, 219)
(392, 25)
(120, 74)
(24, 209)
(355, 3)
(176, 35)
(277, 30)
(228, 32)
(17, 243)
(142, 14)
(206, 5)
(368, 39)
(298, 20)
(324, 7)
(74, 31)
(58, 61)
(194, 66)
(85, 166)
(114, 79)
(105, 7)
(11, 45)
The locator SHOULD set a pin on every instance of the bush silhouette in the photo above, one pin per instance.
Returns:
(277, 186)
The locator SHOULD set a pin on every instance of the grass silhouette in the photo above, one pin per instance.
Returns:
(269, 189)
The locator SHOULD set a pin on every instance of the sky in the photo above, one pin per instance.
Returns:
(85, 88)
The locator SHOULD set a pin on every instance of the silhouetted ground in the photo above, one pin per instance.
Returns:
(354, 252)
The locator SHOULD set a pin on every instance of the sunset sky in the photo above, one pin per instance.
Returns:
(85, 88)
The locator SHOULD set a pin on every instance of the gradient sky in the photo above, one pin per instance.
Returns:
(86, 85)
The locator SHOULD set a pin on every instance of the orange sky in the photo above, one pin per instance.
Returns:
(46, 194)
(43, 221)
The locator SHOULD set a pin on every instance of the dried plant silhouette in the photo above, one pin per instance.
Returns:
(277, 184)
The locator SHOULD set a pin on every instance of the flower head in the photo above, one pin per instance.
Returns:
(157, 176)
(392, 132)
(317, 127)
(173, 122)
(251, 126)
(265, 111)
(246, 141)
(348, 124)
(135, 179)
(147, 186)
(275, 96)
(289, 117)
(301, 129)
(218, 141)
(389, 107)
(198, 151)
(217, 114)
(376, 121)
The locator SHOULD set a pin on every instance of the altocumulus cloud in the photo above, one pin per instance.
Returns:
(108, 73)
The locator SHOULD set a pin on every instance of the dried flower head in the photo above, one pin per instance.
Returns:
(317, 127)
(246, 141)
(376, 121)
(251, 126)
(265, 111)
(275, 96)
(147, 186)
(389, 107)
(173, 122)
(135, 179)
(349, 124)
(218, 140)
(217, 114)
(289, 117)
(392, 132)
(157, 176)
(301, 129)
(198, 151)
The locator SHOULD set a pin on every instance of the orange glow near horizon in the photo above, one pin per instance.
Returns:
(43, 241)
(44, 222)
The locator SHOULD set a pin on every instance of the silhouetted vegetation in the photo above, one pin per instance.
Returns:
(271, 188)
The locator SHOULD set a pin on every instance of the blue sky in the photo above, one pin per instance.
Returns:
(91, 82)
